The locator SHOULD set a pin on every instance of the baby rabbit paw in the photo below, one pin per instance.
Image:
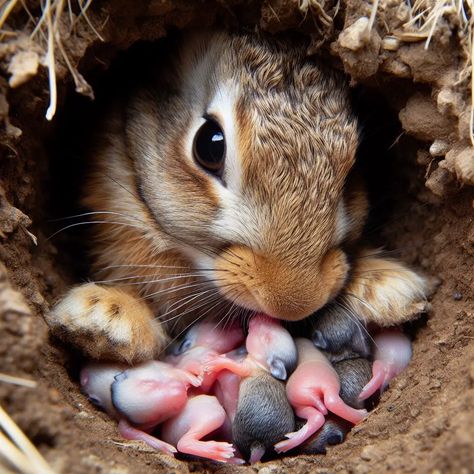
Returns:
(107, 323)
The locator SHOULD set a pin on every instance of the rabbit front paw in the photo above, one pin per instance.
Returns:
(107, 323)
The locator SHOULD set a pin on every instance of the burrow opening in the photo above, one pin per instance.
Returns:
(406, 218)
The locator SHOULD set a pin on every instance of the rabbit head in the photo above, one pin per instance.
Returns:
(240, 152)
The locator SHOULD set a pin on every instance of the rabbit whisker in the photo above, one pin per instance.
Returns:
(93, 222)
(185, 301)
(145, 282)
(349, 312)
(181, 287)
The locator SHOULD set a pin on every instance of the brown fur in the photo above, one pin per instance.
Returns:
(269, 234)
(385, 291)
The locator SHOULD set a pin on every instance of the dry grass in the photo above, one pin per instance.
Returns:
(47, 32)
(426, 16)
(17, 380)
(17, 452)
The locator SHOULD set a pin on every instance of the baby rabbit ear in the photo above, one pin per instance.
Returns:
(319, 340)
(121, 377)
(277, 368)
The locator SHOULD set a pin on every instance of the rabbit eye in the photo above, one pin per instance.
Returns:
(209, 147)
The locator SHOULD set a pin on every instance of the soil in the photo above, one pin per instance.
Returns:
(425, 421)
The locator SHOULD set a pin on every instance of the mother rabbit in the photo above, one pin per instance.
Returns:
(224, 186)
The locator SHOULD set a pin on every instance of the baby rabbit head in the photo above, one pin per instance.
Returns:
(241, 149)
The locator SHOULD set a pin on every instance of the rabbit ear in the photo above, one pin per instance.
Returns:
(319, 340)
(277, 368)
(121, 376)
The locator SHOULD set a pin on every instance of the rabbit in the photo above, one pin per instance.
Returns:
(223, 186)
(353, 374)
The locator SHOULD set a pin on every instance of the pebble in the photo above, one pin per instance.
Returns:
(371, 453)
(457, 296)
(84, 415)
(390, 43)
(271, 469)
(355, 36)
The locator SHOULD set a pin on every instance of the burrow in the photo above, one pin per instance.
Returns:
(416, 104)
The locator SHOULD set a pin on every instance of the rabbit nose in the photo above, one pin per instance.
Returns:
(267, 284)
(290, 302)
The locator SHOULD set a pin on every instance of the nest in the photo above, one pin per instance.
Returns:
(416, 56)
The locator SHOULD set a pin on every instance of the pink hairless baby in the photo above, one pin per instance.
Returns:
(204, 342)
(156, 392)
(185, 419)
(392, 355)
(312, 390)
(203, 415)
(269, 346)
(143, 396)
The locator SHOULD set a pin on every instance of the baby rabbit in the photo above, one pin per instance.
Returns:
(205, 341)
(139, 398)
(261, 415)
(222, 184)
(392, 355)
(353, 376)
(313, 390)
(340, 333)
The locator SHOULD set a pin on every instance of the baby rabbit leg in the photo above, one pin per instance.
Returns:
(336, 405)
(315, 420)
(129, 432)
(189, 377)
(107, 323)
(392, 355)
(203, 414)
(377, 382)
(385, 291)
(220, 363)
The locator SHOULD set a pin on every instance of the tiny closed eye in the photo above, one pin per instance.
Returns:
(185, 346)
(179, 348)
(95, 401)
(209, 147)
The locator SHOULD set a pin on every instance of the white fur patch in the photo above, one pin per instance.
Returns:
(342, 223)
(238, 221)
(76, 312)
(222, 107)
